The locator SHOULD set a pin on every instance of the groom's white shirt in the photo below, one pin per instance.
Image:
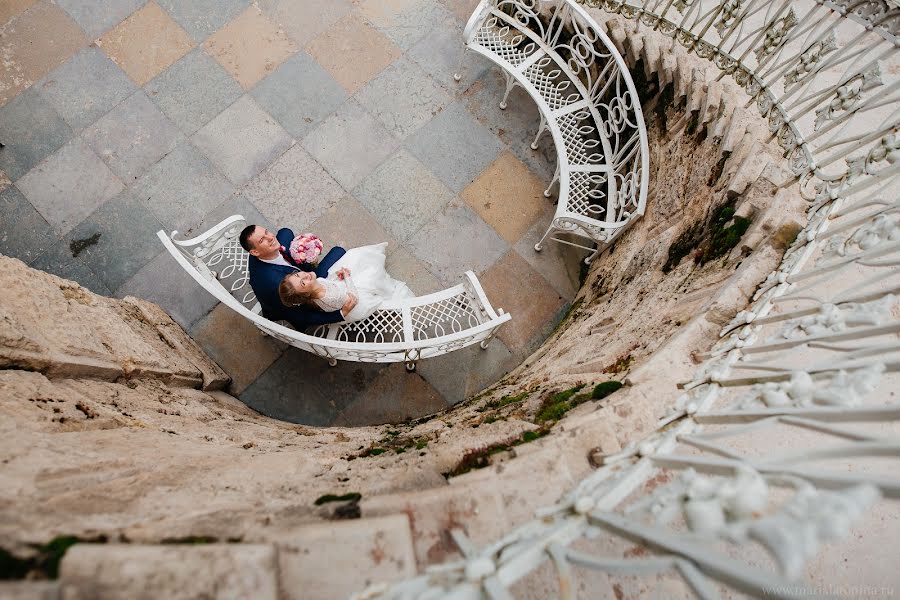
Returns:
(278, 260)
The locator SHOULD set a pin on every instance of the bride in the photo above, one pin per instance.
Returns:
(359, 272)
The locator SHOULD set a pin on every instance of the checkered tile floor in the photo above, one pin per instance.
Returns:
(338, 117)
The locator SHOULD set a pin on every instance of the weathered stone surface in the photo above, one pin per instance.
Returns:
(128, 572)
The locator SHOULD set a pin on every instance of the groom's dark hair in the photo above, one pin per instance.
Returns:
(245, 237)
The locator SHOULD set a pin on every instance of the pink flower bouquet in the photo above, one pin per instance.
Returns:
(306, 248)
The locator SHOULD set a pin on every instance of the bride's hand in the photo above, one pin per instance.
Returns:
(349, 304)
(343, 273)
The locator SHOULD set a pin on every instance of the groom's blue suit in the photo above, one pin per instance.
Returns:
(266, 277)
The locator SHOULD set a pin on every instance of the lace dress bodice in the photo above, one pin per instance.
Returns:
(335, 293)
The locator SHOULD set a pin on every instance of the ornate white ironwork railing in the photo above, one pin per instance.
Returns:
(403, 331)
(587, 101)
(786, 438)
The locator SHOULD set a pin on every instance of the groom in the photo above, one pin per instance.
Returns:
(270, 262)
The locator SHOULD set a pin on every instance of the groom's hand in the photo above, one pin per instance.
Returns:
(348, 305)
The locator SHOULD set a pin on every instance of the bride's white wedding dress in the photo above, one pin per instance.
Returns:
(368, 281)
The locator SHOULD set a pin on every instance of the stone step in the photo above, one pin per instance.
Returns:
(149, 572)
(30, 590)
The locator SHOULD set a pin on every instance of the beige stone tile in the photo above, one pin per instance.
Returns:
(304, 25)
(384, 12)
(250, 47)
(11, 8)
(513, 285)
(401, 264)
(463, 9)
(4, 181)
(353, 51)
(37, 41)
(146, 43)
(508, 196)
(242, 350)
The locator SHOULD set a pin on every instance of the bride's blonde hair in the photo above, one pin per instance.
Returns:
(291, 297)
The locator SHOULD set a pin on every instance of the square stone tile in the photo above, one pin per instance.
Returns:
(5, 181)
(97, 16)
(464, 373)
(250, 47)
(13, 8)
(86, 87)
(455, 146)
(236, 205)
(127, 239)
(508, 196)
(403, 97)
(182, 187)
(193, 91)
(403, 266)
(25, 61)
(353, 51)
(132, 136)
(393, 397)
(301, 388)
(461, 9)
(560, 264)
(200, 18)
(516, 125)
(242, 140)
(441, 54)
(348, 224)
(58, 260)
(164, 282)
(31, 129)
(403, 195)
(69, 185)
(294, 191)
(242, 350)
(299, 94)
(350, 144)
(24, 233)
(456, 240)
(405, 21)
(514, 286)
(304, 25)
(146, 43)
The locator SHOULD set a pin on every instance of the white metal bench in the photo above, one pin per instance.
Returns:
(556, 52)
(404, 331)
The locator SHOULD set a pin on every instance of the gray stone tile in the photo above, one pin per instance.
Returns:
(31, 129)
(348, 224)
(201, 18)
(69, 185)
(58, 260)
(302, 388)
(193, 90)
(350, 144)
(299, 94)
(132, 136)
(403, 266)
(456, 240)
(464, 373)
(410, 23)
(304, 25)
(236, 205)
(559, 264)
(516, 125)
(182, 187)
(86, 87)
(125, 239)
(455, 146)
(294, 190)
(403, 195)
(403, 97)
(164, 282)
(242, 140)
(24, 233)
(441, 54)
(97, 16)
